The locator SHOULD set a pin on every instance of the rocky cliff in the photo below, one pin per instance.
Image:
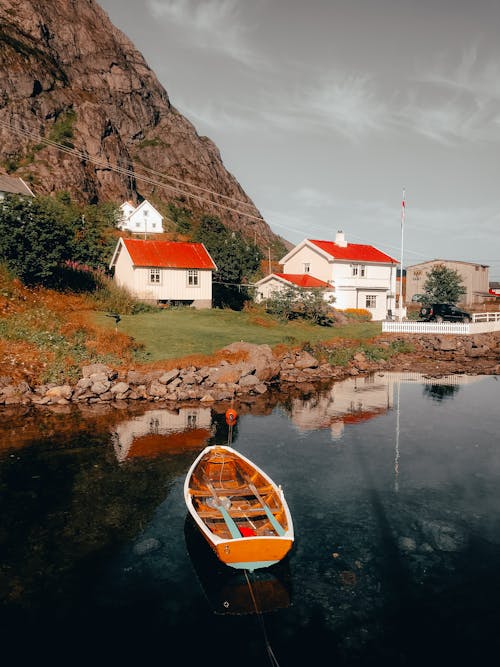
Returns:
(71, 77)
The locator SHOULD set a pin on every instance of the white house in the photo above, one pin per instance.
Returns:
(142, 219)
(164, 271)
(359, 275)
(275, 282)
(15, 186)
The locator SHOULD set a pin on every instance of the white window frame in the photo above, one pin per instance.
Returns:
(371, 301)
(358, 270)
(154, 276)
(193, 278)
(307, 267)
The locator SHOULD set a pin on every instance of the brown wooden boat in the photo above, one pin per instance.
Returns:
(238, 508)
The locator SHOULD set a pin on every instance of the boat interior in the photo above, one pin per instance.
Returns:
(234, 500)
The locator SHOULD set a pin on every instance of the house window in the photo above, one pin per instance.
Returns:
(307, 267)
(137, 224)
(193, 280)
(371, 301)
(358, 270)
(191, 420)
(154, 276)
(154, 225)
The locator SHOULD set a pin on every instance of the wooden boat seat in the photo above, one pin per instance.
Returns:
(231, 491)
(235, 513)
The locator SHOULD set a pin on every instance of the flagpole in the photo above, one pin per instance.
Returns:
(400, 304)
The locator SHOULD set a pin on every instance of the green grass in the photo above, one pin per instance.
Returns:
(171, 334)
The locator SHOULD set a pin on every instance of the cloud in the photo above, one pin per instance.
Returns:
(212, 119)
(350, 104)
(212, 25)
(456, 102)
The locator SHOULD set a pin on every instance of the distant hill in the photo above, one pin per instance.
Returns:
(67, 74)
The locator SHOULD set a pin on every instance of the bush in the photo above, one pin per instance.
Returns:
(111, 297)
(358, 314)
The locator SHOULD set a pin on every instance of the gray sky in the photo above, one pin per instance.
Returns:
(325, 110)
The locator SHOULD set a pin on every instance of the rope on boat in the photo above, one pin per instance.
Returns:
(270, 652)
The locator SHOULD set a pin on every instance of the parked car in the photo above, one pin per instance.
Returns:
(443, 312)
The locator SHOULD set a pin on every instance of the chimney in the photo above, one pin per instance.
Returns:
(340, 239)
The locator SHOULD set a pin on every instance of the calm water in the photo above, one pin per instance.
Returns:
(393, 483)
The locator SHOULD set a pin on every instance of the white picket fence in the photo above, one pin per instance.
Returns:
(481, 323)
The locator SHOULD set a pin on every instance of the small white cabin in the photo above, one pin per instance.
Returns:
(142, 219)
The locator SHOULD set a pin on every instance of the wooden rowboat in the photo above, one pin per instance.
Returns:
(239, 510)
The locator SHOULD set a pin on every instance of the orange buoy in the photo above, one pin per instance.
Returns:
(231, 416)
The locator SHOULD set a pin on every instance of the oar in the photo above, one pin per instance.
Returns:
(233, 528)
(276, 524)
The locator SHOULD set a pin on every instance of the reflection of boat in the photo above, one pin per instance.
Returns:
(239, 510)
(231, 591)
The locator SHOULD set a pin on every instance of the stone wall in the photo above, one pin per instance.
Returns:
(433, 355)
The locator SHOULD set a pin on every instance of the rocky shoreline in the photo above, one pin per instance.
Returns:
(260, 370)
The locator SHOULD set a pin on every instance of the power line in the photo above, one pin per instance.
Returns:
(133, 174)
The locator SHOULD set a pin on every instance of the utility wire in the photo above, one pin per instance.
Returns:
(133, 174)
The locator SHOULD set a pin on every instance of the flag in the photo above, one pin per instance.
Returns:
(403, 208)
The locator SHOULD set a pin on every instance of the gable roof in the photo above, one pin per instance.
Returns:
(354, 252)
(299, 279)
(15, 186)
(166, 254)
(303, 280)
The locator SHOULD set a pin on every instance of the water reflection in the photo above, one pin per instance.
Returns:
(397, 530)
(362, 398)
(231, 591)
(158, 431)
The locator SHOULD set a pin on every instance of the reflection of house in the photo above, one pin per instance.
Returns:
(474, 278)
(142, 219)
(165, 271)
(161, 431)
(353, 400)
(13, 186)
(359, 275)
(359, 399)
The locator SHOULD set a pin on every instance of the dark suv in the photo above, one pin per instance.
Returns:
(441, 312)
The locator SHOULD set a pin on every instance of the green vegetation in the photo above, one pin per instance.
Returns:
(176, 333)
(236, 258)
(341, 356)
(38, 237)
(63, 353)
(443, 285)
(62, 130)
(291, 303)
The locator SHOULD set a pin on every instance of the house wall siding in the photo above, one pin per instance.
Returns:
(351, 291)
(145, 219)
(475, 278)
(172, 287)
(320, 267)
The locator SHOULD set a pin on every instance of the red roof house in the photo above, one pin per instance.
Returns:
(164, 271)
(358, 275)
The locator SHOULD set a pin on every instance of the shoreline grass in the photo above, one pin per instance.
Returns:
(178, 333)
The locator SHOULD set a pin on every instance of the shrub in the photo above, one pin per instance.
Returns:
(358, 314)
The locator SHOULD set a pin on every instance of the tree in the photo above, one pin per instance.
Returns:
(33, 238)
(38, 236)
(292, 302)
(443, 285)
(236, 259)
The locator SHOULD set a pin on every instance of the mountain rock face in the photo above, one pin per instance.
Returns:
(69, 76)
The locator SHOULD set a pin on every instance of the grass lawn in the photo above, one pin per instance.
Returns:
(174, 334)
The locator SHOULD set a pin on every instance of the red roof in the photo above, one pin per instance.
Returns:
(303, 279)
(170, 254)
(354, 252)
